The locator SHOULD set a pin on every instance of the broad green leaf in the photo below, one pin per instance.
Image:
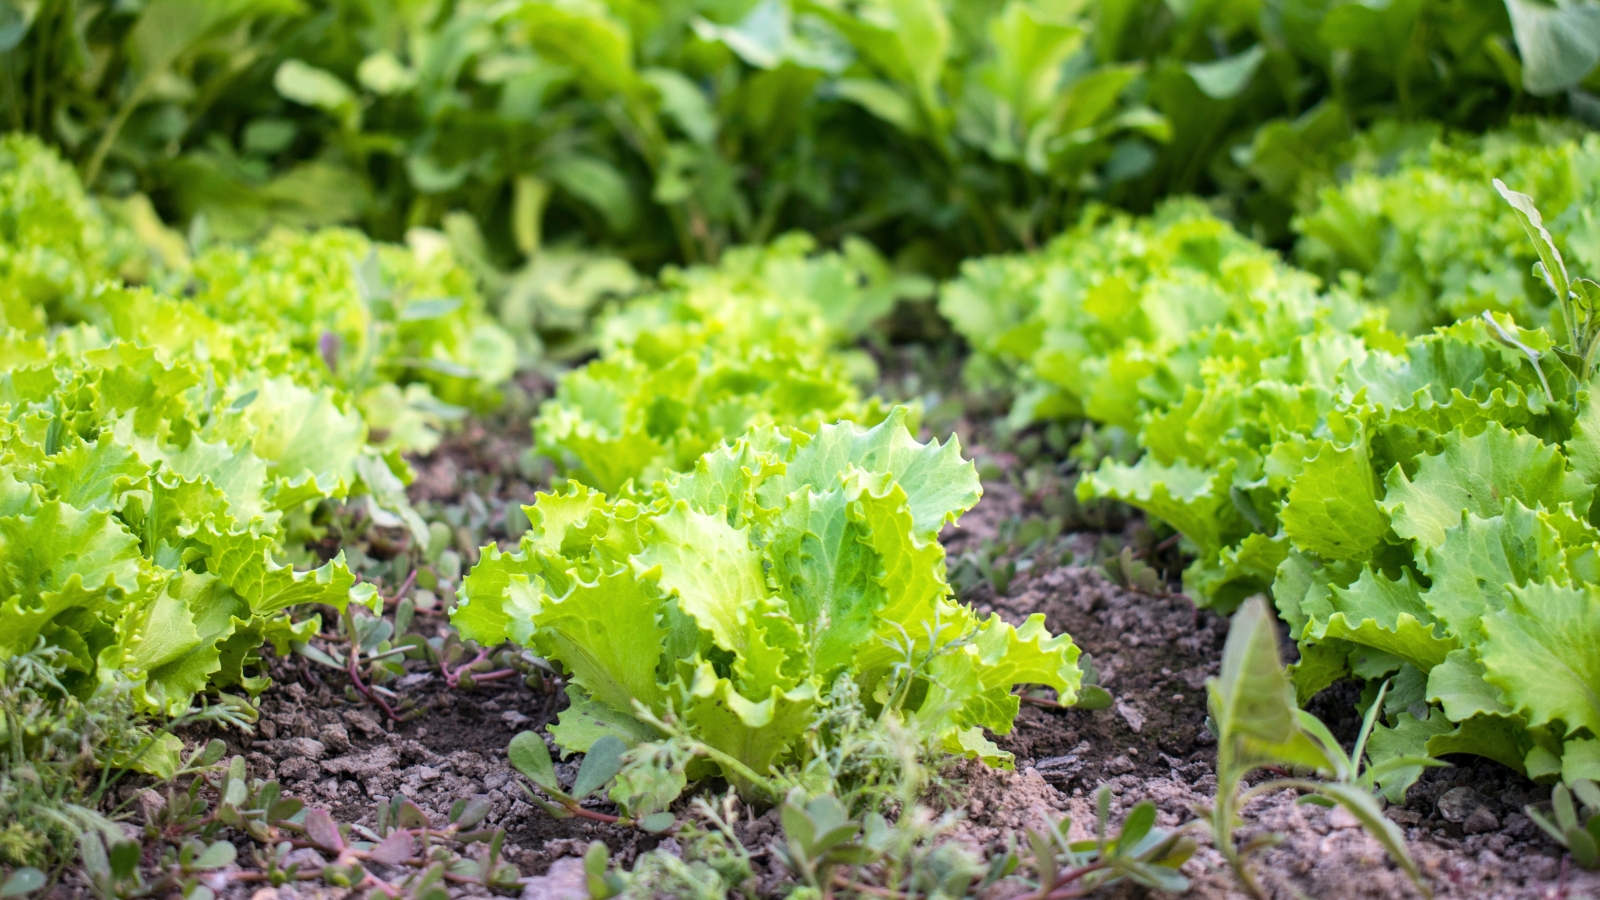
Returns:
(1250, 697)
(938, 483)
(607, 635)
(60, 558)
(1559, 42)
(1193, 500)
(1536, 651)
(709, 566)
(1458, 685)
(1478, 474)
(1332, 507)
(1481, 559)
(585, 721)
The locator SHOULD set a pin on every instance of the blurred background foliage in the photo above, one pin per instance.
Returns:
(561, 145)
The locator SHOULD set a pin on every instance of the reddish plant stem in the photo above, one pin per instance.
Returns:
(355, 655)
(453, 679)
(1059, 888)
(582, 813)
(367, 692)
(405, 588)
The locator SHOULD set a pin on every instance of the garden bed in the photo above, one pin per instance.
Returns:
(1153, 653)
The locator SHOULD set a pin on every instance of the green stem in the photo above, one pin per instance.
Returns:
(92, 171)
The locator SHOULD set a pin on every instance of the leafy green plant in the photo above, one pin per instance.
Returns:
(722, 613)
(751, 342)
(147, 501)
(1258, 725)
(1115, 317)
(601, 763)
(1418, 511)
(401, 330)
(1579, 834)
(677, 131)
(53, 794)
(1420, 223)
(192, 829)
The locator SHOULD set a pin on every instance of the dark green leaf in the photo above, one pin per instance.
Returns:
(600, 765)
(531, 756)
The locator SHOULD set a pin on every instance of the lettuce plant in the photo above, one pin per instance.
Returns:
(55, 242)
(140, 505)
(370, 312)
(751, 342)
(1431, 241)
(727, 609)
(1422, 512)
(1119, 316)
(400, 330)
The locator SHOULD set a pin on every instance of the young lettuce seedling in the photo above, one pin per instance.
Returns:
(1258, 726)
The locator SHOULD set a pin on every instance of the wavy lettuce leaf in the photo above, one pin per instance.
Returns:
(771, 568)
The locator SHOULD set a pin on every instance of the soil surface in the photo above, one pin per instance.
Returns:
(1153, 652)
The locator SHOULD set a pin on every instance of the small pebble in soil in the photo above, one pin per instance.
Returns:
(1456, 804)
(1481, 821)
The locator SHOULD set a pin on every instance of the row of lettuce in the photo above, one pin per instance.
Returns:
(1419, 508)
(167, 446)
(748, 550)
(163, 448)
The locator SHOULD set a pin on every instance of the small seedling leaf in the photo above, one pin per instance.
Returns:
(530, 756)
(476, 810)
(317, 656)
(1588, 792)
(1093, 697)
(411, 815)
(1585, 852)
(394, 849)
(600, 765)
(656, 823)
(1250, 698)
(1137, 825)
(1561, 803)
(124, 859)
(321, 830)
(217, 855)
(282, 810)
(22, 882)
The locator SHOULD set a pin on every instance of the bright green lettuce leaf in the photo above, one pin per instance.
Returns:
(1386, 615)
(1481, 559)
(1332, 507)
(1193, 500)
(767, 570)
(720, 352)
(1477, 474)
(1539, 652)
